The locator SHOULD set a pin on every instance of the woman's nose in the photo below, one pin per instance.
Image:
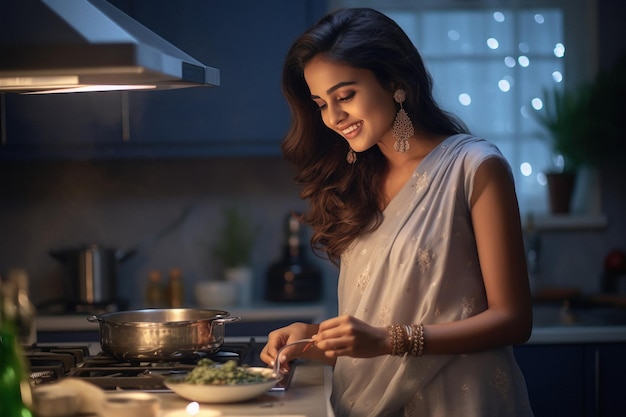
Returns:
(335, 115)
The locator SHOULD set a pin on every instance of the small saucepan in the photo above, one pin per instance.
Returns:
(162, 335)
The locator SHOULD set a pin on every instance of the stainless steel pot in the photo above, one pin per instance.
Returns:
(162, 335)
(92, 271)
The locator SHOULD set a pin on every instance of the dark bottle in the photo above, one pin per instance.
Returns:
(15, 393)
(293, 277)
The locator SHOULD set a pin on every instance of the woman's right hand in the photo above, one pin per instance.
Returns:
(280, 337)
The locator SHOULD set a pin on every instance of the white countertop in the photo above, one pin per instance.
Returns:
(308, 395)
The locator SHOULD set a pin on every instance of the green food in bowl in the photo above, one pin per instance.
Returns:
(208, 372)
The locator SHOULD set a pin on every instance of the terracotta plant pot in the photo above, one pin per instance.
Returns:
(560, 191)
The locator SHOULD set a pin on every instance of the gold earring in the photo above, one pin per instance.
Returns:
(402, 127)
(351, 157)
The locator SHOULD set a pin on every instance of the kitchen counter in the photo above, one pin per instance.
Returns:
(577, 334)
(308, 395)
(546, 330)
(562, 323)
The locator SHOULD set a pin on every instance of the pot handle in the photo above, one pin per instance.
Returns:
(222, 321)
(93, 319)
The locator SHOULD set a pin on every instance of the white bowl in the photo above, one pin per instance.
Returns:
(206, 393)
(215, 294)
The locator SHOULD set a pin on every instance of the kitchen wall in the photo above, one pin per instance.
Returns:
(118, 204)
(573, 258)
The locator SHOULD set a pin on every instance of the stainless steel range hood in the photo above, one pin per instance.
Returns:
(88, 45)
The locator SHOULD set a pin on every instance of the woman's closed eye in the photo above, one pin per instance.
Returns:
(350, 96)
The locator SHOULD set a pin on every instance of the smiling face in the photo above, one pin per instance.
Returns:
(352, 103)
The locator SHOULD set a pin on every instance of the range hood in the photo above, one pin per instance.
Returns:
(88, 45)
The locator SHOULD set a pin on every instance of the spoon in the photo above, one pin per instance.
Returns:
(277, 373)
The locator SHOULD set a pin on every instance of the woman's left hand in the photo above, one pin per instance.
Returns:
(348, 336)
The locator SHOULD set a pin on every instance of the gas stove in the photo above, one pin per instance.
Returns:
(49, 363)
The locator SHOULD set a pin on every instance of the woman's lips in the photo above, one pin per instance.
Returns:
(352, 130)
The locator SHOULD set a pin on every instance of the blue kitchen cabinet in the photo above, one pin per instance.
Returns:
(246, 116)
(555, 377)
(247, 40)
(61, 125)
(574, 380)
(608, 364)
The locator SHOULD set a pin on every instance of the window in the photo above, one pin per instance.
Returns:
(489, 64)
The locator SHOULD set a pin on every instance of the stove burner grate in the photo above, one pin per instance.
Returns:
(51, 363)
(130, 376)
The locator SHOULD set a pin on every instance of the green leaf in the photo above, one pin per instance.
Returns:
(584, 124)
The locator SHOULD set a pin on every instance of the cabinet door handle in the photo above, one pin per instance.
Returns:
(3, 120)
(596, 394)
(125, 117)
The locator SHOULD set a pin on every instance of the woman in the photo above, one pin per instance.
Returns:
(422, 219)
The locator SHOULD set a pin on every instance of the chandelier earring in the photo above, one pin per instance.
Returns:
(351, 157)
(402, 127)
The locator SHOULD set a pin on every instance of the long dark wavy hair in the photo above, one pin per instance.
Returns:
(345, 200)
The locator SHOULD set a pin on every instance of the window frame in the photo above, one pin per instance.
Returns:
(579, 37)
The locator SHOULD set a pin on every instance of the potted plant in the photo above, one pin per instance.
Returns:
(235, 239)
(607, 109)
(584, 127)
(233, 250)
(565, 119)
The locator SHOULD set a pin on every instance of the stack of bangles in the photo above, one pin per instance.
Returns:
(406, 339)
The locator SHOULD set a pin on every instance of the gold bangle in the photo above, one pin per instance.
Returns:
(414, 338)
(392, 338)
(417, 340)
(400, 339)
(406, 339)
(420, 339)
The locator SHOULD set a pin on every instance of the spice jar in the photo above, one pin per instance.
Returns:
(175, 288)
(155, 291)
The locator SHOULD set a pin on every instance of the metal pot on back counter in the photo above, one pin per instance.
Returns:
(91, 274)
